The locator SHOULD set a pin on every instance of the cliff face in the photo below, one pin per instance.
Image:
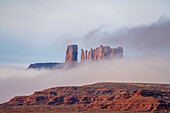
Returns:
(103, 52)
(46, 66)
(129, 97)
(83, 56)
(71, 54)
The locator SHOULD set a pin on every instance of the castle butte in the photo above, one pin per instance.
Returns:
(100, 53)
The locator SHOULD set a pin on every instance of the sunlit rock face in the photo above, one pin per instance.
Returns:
(107, 96)
(71, 54)
(105, 52)
(100, 53)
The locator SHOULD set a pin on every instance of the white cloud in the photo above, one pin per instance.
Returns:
(18, 81)
(145, 39)
(28, 26)
(72, 17)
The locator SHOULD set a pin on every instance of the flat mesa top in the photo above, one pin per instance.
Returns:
(105, 97)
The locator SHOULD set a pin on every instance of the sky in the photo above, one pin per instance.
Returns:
(34, 31)
(40, 30)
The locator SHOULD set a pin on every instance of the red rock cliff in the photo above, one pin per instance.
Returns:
(105, 52)
(110, 97)
(83, 56)
(71, 54)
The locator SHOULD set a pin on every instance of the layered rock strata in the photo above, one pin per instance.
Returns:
(109, 97)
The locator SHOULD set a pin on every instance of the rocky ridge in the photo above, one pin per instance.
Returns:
(129, 97)
(102, 52)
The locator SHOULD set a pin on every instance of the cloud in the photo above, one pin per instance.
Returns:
(18, 81)
(144, 38)
(28, 27)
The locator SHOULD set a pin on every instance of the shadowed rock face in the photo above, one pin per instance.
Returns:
(83, 56)
(71, 54)
(90, 54)
(46, 66)
(129, 97)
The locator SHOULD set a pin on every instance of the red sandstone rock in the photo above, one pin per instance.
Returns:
(83, 56)
(105, 52)
(71, 54)
(90, 55)
(131, 97)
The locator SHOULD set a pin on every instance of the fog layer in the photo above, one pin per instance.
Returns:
(18, 81)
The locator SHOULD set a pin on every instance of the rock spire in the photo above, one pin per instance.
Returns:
(71, 54)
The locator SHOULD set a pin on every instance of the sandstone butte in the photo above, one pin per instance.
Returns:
(100, 97)
(100, 53)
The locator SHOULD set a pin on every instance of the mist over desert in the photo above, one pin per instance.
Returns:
(34, 32)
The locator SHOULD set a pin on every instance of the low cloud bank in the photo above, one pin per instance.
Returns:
(18, 81)
(153, 68)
